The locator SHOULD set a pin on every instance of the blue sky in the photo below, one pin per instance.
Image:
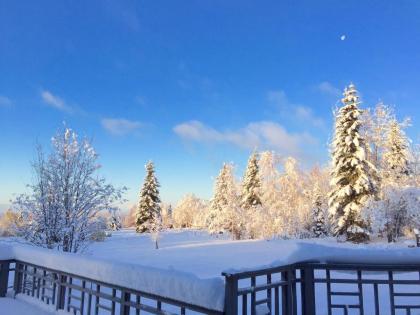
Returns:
(190, 84)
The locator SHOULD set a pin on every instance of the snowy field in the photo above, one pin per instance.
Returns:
(207, 256)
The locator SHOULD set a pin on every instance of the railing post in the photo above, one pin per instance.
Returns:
(124, 307)
(61, 292)
(287, 293)
(4, 277)
(17, 282)
(307, 290)
(231, 294)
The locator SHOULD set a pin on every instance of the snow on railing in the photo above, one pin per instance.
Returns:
(177, 285)
(37, 270)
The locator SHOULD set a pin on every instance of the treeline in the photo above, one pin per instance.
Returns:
(370, 188)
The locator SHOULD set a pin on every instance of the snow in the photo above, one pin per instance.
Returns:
(24, 305)
(189, 263)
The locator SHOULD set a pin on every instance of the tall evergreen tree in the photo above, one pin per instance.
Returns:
(353, 176)
(251, 184)
(148, 216)
(397, 155)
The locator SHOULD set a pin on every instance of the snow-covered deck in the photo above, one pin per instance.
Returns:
(189, 264)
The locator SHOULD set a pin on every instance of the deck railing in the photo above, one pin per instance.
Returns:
(328, 288)
(81, 295)
(308, 288)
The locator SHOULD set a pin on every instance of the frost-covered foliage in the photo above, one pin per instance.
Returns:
(10, 223)
(396, 159)
(354, 178)
(187, 209)
(148, 215)
(375, 125)
(66, 196)
(397, 212)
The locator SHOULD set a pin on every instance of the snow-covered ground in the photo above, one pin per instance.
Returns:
(24, 305)
(207, 256)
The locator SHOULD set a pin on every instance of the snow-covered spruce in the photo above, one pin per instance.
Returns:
(251, 184)
(224, 211)
(353, 180)
(318, 226)
(148, 216)
(61, 210)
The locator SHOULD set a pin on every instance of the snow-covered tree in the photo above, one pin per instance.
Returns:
(269, 176)
(397, 211)
(148, 213)
(251, 198)
(353, 180)
(115, 221)
(375, 125)
(167, 216)
(415, 163)
(224, 210)
(319, 228)
(186, 210)
(251, 184)
(270, 194)
(66, 196)
(396, 158)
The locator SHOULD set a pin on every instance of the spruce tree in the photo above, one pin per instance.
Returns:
(223, 214)
(318, 226)
(148, 216)
(353, 180)
(397, 156)
(251, 184)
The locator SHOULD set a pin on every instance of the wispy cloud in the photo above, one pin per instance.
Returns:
(329, 89)
(55, 101)
(279, 99)
(120, 126)
(5, 101)
(260, 134)
(305, 113)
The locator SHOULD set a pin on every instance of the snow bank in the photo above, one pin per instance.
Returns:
(299, 252)
(173, 284)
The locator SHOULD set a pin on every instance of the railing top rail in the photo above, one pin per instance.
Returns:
(322, 265)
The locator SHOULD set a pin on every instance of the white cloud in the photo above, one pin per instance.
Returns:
(54, 101)
(329, 89)
(306, 114)
(279, 99)
(119, 126)
(5, 101)
(260, 134)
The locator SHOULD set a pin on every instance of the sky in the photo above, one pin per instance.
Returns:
(192, 84)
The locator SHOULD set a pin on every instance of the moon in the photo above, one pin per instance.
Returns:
(343, 37)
